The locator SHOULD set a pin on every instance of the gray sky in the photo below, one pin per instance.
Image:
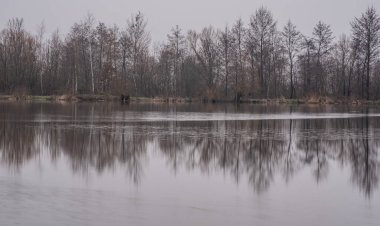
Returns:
(188, 14)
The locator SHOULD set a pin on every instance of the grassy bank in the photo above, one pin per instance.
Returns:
(66, 98)
(109, 98)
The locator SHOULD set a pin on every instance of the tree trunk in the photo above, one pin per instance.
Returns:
(92, 72)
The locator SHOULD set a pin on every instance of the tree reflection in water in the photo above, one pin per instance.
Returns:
(255, 151)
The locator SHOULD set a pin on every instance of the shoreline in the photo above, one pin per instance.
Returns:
(181, 100)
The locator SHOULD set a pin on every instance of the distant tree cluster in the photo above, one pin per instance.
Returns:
(255, 60)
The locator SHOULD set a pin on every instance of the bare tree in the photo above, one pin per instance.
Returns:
(205, 49)
(140, 40)
(238, 35)
(176, 43)
(53, 77)
(262, 26)
(226, 44)
(306, 60)
(323, 37)
(89, 22)
(342, 50)
(366, 32)
(41, 53)
(292, 39)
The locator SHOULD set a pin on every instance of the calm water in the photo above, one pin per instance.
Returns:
(112, 164)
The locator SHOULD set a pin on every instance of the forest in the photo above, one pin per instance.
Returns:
(250, 59)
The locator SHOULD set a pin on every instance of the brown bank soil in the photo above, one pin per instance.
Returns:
(101, 98)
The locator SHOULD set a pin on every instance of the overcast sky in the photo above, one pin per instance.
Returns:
(188, 14)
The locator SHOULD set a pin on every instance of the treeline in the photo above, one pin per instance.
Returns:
(256, 59)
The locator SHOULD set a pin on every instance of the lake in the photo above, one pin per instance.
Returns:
(188, 164)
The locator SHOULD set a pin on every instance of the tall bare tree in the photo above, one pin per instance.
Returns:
(342, 50)
(292, 39)
(204, 46)
(261, 28)
(238, 35)
(323, 37)
(176, 45)
(140, 40)
(41, 53)
(366, 32)
(226, 44)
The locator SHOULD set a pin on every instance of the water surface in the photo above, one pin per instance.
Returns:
(113, 164)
